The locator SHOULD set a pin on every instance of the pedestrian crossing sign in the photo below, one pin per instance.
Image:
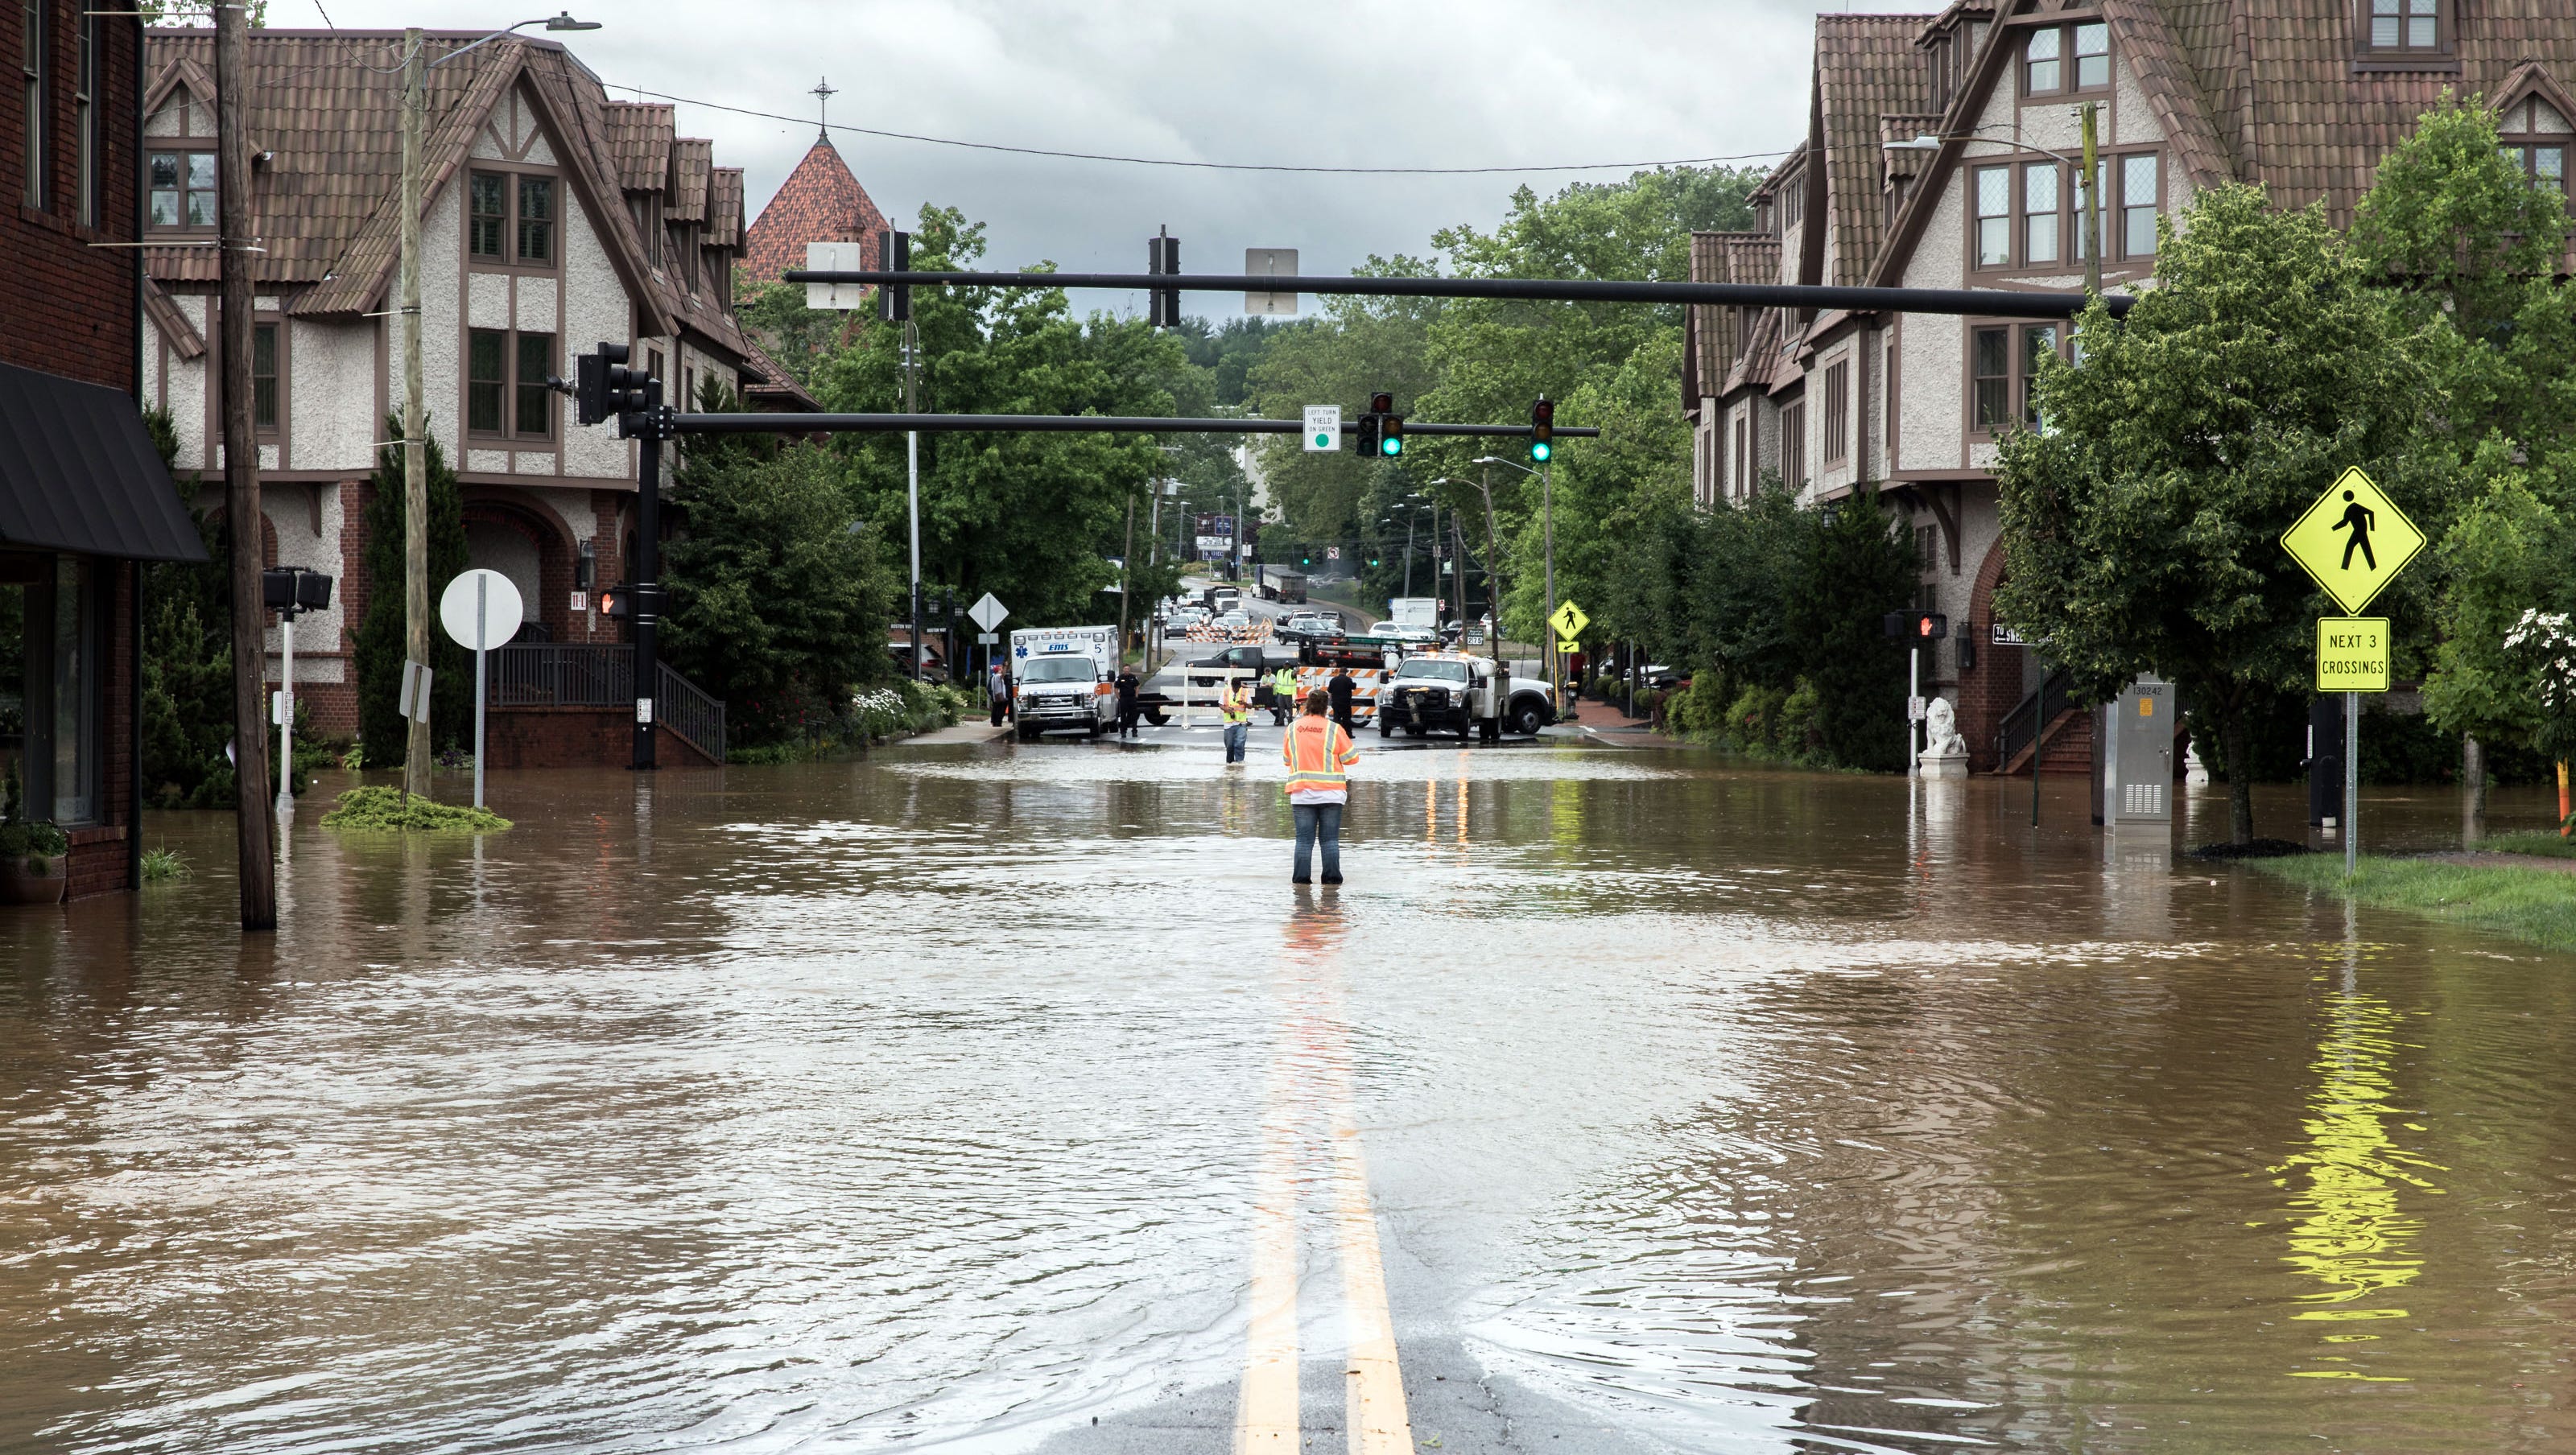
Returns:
(2354, 541)
(1569, 621)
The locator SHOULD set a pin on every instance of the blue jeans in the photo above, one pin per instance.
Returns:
(1314, 821)
(1235, 733)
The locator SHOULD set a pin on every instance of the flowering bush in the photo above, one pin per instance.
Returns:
(2542, 643)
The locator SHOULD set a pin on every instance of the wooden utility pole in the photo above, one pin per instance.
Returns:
(1126, 577)
(236, 235)
(415, 438)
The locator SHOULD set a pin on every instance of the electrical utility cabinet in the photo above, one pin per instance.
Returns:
(2141, 753)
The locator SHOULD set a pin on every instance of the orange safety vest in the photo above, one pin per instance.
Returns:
(1316, 750)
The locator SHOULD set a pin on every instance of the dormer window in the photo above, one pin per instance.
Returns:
(2405, 25)
(2406, 35)
(2536, 139)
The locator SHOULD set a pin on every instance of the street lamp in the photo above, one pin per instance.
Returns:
(561, 20)
(2087, 174)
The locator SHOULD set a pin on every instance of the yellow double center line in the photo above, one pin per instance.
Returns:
(1266, 1412)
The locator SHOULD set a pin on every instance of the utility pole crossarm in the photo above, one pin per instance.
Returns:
(1982, 302)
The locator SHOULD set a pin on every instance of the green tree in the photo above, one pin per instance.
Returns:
(2473, 248)
(1033, 518)
(2141, 525)
(1853, 571)
(379, 645)
(780, 597)
(801, 339)
(1360, 346)
(187, 658)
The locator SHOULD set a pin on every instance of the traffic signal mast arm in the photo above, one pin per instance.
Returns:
(749, 423)
(1980, 302)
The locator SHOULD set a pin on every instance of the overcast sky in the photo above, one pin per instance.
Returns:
(1439, 83)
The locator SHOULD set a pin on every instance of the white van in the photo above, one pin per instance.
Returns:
(1062, 680)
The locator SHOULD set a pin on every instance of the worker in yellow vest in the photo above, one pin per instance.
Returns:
(1236, 711)
(1318, 753)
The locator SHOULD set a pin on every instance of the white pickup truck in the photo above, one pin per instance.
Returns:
(1061, 680)
(1452, 692)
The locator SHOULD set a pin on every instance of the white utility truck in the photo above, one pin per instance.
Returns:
(1063, 680)
(1421, 611)
(1449, 692)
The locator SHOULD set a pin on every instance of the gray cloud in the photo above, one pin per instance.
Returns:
(1431, 83)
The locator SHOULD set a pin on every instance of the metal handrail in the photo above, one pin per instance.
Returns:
(2027, 721)
(602, 674)
(686, 709)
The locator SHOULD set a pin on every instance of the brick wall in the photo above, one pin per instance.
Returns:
(577, 737)
(66, 307)
(100, 858)
(1992, 688)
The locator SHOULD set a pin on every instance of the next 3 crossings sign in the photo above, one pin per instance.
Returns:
(2353, 540)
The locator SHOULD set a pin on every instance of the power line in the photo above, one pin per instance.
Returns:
(987, 146)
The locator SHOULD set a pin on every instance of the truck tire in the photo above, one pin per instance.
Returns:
(1528, 716)
(1025, 733)
(1158, 718)
(1385, 726)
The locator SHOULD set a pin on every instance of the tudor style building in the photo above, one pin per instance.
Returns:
(554, 219)
(2302, 96)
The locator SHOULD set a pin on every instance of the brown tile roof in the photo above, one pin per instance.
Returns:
(2146, 37)
(768, 387)
(692, 160)
(1866, 67)
(172, 324)
(819, 202)
(1719, 332)
(724, 208)
(639, 140)
(328, 105)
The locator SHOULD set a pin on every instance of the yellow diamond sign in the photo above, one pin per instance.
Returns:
(2354, 540)
(1569, 621)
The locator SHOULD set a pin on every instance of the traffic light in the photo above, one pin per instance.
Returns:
(1163, 305)
(894, 255)
(1915, 627)
(1542, 430)
(1390, 436)
(1366, 440)
(604, 387)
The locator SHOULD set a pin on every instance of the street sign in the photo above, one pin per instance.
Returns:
(1332, 553)
(1568, 649)
(988, 613)
(988, 639)
(1569, 621)
(2354, 541)
(2352, 654)
(480, 609)
(1323, 428)
(847, 257)
(1269, 263)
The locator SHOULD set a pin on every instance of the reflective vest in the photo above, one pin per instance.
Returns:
(1283, 683)
(1237, 707)
(1316, 751)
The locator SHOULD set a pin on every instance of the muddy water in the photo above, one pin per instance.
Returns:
(920, 1101)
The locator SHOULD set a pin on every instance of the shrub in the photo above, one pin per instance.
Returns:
(162, 865)
(385, 810)
(1800, 720)
(1753, 718)
(37, 840)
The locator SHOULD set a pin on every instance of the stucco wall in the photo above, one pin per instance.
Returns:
(1931, 406)
(331, 404)
(595, 311)
(442, 265)
(288, 508)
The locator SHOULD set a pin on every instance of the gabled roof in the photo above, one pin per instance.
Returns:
(724, 208)
(1866, 66)
(692, 159)
(327, 105)
(819, 202)
(639, 141)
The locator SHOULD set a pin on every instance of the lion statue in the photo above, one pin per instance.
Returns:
(1941, 723)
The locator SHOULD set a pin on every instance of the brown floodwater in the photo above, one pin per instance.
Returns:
(918, 1101)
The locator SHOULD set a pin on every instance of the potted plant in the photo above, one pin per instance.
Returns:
(35, 863)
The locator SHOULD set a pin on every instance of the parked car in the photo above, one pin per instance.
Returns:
(1398, 631)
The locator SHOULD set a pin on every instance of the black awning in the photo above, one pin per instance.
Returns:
(78, 473)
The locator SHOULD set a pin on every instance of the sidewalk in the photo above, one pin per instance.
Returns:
(1603, 722)
(972, 730)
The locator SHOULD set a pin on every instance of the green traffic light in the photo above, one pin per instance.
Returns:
(1540, 450)
(1391, 446)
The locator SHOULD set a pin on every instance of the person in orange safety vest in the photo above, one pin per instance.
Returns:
(1318, 753)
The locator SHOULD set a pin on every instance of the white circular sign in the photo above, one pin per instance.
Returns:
(480, 609)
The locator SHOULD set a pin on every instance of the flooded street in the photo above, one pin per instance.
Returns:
(988, 1098)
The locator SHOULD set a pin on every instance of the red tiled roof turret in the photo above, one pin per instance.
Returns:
(819, 202)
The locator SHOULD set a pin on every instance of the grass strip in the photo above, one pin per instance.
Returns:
(384, 810)
(2536, 906)
(2541, 842)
